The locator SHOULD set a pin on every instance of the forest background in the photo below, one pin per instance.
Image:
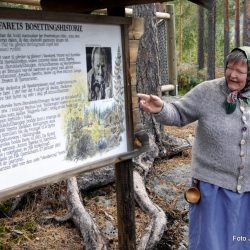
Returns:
(229, 19)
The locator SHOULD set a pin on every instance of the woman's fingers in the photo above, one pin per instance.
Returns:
(150, 103)
(143, 101)
(154, 97)
(148, 97)
(143, 96)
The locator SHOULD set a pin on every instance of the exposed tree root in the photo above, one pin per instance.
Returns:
(104, 176)
(97, 178)
(92, 236)
(156, 227)
(174, 145)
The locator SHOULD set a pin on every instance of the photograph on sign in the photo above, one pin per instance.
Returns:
(99, 68)
(62, 100)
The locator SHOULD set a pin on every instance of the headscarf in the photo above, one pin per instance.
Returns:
(244, 94)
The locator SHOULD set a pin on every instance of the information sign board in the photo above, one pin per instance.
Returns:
(62, 101)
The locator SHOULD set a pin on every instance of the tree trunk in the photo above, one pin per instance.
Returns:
(201, 28)
(246, 23)
(180, 39)
(147, 66)
(211, 43)
(148, 81)
(237, 24)
(226, 29)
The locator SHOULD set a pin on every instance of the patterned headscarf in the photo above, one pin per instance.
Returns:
(244, 94)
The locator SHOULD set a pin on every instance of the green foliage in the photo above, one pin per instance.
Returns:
(79, 142)
(190, 28)
(188, 77)
(74, 105)
(2, 231)
(2, 234)
(17, 233)
(28, 227)
(95, 132)
(84, 147)
(5, 206)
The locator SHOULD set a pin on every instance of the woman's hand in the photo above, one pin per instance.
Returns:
(150, 103)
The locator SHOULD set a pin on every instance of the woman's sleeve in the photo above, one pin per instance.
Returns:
(185, 110)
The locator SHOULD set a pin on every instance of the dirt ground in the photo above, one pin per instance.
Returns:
(32, 226)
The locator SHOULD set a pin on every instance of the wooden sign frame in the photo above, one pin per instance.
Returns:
(29, 16)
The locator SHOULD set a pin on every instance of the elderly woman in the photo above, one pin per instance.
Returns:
(220, 155)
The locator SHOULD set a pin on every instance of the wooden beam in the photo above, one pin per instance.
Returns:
(208, 4)
(89, 6)
(124, 169)
(125, 205)
(167, 87)
(25, 14)
(171, 50)
(27, 2)
(129, 12)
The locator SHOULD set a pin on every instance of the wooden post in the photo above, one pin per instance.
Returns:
(172, 64)
(125, 205)
(124, 169)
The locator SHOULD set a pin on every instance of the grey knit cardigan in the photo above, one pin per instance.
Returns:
(221, 150)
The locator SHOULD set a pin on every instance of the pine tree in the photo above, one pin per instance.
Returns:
(119, 89)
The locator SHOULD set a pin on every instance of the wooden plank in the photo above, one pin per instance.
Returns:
(204, 3)
(125, 205)
(134, 92)
(133, 73)
(135, 103)
(124, 169)
(136, 29)
(171, 49)
(27, 2)
(133, 50)
(136, 115)
(5, 13)
(89, 6)
(129, 12)
(127, 90)
(167, 87)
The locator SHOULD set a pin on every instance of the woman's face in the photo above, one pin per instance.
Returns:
(236, 75)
